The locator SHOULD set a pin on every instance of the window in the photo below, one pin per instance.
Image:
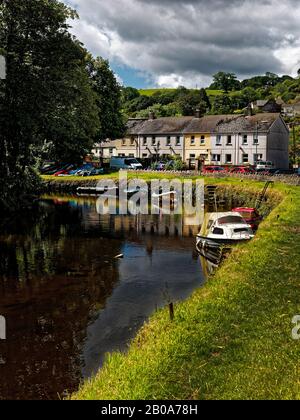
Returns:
(192, 156)
(145, 141)
(132, 141)
(111, 150)
(145, 155)
(245, 158)
(153, 141)
(178, 142)
(216, 158)
(255, 139)
(193, 141)
(219, 140)
(218, 231)
(229, 140)
(245, 139)
(168, 141)
(121, 155)
(228, 158)
(131, 155)
(124, 142)
(257, 157)
(202, 141)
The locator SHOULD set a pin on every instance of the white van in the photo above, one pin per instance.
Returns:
(117, 163)
(264, 165)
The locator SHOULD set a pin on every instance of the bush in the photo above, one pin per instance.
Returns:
(17, 191)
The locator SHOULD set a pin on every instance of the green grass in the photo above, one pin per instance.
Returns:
(232, 338)
(151, 92)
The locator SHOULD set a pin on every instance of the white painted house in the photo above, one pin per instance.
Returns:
(244, 140)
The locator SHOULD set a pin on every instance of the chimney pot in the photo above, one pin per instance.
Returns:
(198, 113)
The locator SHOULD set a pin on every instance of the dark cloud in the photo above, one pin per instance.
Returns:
(193, 38)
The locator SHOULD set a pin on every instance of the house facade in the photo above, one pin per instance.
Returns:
(291, 110)
(244, 140)
(214, 139)
(104, 150)
(161, 137)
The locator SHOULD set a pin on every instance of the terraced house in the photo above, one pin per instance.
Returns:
(213, 139)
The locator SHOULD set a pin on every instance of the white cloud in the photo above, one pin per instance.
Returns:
(184, 42)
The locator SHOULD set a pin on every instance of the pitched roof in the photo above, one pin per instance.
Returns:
(167, 125)
(260, 122)
(206, 124)
(261, 102)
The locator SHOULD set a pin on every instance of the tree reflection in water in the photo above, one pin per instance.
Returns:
(61, 288)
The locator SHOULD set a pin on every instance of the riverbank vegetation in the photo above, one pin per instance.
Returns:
(233, 338)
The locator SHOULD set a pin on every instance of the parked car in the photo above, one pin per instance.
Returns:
(125, 163)
(84, 167)
(242, 170)
(284, 172)
(64, 170)
(213, 169)
(251, 216)
(263, 164)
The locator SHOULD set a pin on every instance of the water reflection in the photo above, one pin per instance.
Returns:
(67, 301)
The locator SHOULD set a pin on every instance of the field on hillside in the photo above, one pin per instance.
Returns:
(151, 92)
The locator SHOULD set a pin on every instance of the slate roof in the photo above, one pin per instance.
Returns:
(207, 124)
(244, 124)
(167, 125)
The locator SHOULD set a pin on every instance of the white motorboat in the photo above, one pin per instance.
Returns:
(223, 228)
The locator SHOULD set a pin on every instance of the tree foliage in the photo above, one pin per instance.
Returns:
(109, 99)
(55, 93)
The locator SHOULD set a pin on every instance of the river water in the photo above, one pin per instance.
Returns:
(67, 301)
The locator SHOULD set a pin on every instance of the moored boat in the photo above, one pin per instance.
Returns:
(223, 228)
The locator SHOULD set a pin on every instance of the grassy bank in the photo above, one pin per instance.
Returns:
(232, 338)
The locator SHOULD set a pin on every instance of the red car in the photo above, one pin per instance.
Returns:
(242, 170)
(213, 169)
(63, 172)
(251, 216)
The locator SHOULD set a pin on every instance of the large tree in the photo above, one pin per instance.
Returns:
(109, 99)
(225, 81)
(47, 94)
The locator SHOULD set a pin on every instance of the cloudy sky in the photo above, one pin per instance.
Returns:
(168, 43)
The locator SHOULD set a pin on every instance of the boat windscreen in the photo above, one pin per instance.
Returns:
(230, 220)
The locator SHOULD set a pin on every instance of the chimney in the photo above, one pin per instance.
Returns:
(249, 111)
(151, 115)
(198, 113)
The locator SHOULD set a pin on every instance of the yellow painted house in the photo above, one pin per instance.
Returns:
(197, 148)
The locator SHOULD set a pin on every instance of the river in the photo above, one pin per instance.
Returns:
(68, 301)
